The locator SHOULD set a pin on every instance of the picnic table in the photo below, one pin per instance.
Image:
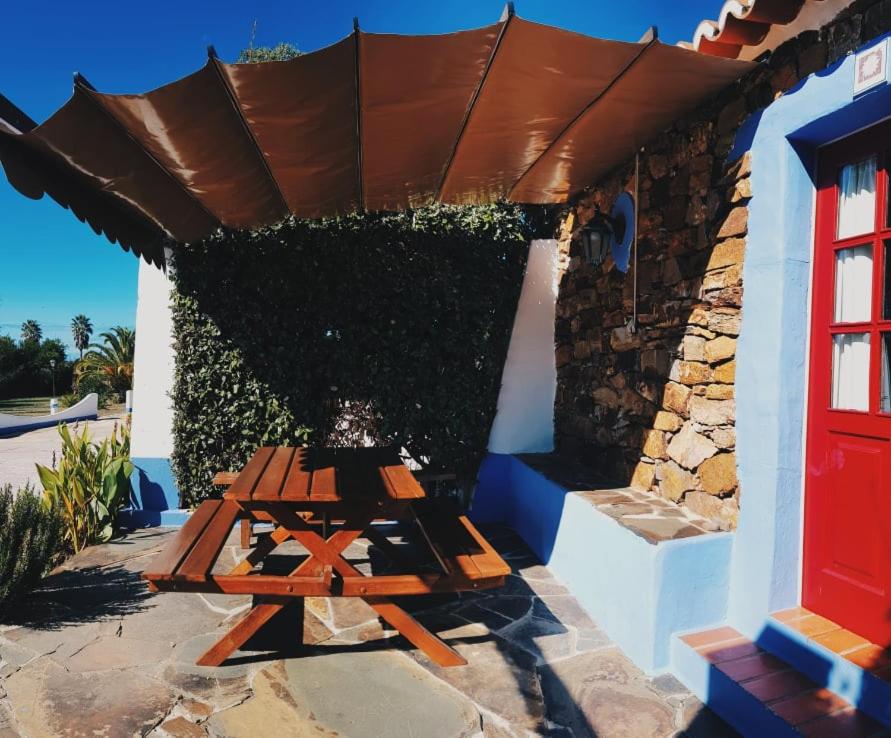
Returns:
(326, 498)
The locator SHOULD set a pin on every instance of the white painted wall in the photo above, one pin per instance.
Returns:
(152, 435)
(524, 422)
(86, 408)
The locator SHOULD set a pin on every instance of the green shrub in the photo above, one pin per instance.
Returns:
(389, 327)
(89, 485)
(30, 541)
(88, 384)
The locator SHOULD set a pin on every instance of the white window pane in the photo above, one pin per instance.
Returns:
(885, 399)
(850, 371)
(853, 284)
(857, 198)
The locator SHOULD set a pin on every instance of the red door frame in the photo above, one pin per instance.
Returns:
(844, 596)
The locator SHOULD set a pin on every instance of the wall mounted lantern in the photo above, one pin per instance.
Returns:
(595, 237)
(601, 234)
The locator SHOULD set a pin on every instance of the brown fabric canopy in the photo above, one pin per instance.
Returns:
(516, 111)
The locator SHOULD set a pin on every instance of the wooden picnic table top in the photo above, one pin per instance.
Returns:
(324, 475)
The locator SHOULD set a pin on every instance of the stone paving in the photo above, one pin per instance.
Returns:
(94, 653)
(19, 453)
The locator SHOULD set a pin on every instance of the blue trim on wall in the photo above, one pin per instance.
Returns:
(16, 430)
(772, 358)
(154, 495)
(638, 592)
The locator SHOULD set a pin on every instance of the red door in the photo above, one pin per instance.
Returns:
(847, 526)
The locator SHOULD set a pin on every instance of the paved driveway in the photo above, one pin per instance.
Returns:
(18, 454)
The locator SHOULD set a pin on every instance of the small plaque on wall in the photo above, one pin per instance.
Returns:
(871, 67)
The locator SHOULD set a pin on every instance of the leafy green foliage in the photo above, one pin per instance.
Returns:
(30, 542)
(109, 362)
(89, 486)
(81, 331)
(31, 332)
(25, 367)
(391, 328)
(279, 52)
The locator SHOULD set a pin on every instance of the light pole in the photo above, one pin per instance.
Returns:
(53, 369)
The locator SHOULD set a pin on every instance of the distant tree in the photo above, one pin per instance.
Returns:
(111, 361)
(31, 332)
(279, 52)
(81, 331)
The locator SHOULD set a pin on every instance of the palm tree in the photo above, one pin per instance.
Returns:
(31, 332)
(81, 331)
(111, 361)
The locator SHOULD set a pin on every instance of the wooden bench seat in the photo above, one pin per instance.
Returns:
(457, 545)
(190, 556)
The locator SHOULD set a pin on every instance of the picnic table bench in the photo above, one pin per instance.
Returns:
(325, 499)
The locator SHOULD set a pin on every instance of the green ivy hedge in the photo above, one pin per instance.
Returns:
(388, 327)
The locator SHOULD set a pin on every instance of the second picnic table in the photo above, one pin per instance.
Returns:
(326, 498)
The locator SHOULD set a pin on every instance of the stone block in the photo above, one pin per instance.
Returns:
(703, 504)
(658, 165)
(718, 474)
(563, 355)
(606, 397)
(712, 412)
(723, 278)
(736, 223)
(690, 448)
(726, 373)
(694, 348)
(675, 481)
(666, 421)
(726, 321)
(676, 397)
(720, 349)
(654, 444)
(719, 391)
(726, 253)
(655, 361)
(693, 372)
(723, 438)
(644, 475)
(621, 339)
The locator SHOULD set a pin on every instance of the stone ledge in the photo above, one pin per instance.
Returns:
(644, 514)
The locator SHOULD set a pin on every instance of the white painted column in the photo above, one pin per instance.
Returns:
(524, 422)
(152, 435)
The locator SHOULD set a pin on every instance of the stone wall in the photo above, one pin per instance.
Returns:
(654, 407)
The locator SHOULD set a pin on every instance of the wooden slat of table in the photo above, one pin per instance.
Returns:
(325, 476)
(269, 486)
(296, 486)
(243, 486)
(399, 482)
(200, 560)
(165, 563)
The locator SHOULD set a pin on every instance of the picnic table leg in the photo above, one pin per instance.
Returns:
(245, 533)
(323, 553)
(235, 638)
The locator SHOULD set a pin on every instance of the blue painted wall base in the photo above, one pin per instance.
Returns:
(49, 423)
(638, 592)
(154, 495)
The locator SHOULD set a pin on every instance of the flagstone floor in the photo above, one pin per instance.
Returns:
(94, 653)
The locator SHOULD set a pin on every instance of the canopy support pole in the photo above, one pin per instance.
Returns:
(87, 90)
(649, 40)
(236, 107)
(359, 169)
(506, 18)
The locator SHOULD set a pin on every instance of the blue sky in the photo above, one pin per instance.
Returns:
(51, 265)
